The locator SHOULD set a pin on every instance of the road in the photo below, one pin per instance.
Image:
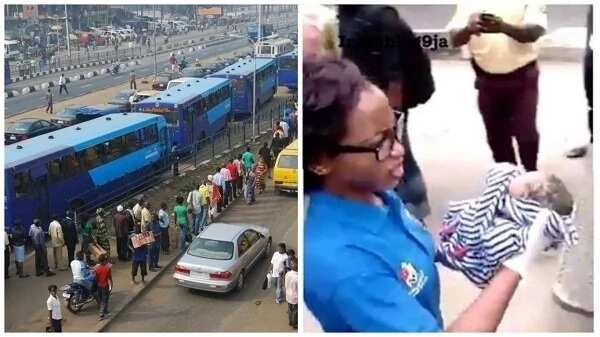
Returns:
(17, 105)
(195, 35)
(165, 307)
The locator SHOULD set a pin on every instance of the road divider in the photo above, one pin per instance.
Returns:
(45, 85)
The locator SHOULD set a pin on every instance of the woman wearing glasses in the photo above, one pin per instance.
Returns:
(369, 262)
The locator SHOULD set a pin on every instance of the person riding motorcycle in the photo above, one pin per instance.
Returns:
(82, 274)
(115, 68)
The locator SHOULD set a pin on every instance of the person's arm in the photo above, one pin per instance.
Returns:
(461, 36)
(110, 279)
(524, 34)
(486, 312)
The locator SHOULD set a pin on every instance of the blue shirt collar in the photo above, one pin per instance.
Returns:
(374, 216)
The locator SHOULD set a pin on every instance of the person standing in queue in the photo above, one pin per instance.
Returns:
(121, 229)
(57, 241)
(69, 228)
(370, 264)
(154, 227)
(139, 258)
(163, 218)
(17, 240)
(180, 214)
(38, 238)
(502, 40)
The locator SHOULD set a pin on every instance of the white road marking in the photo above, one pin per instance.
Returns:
(86, 85)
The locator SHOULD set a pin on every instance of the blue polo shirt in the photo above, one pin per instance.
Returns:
(369, 268)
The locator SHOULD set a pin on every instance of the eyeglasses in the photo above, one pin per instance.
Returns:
(384, 148)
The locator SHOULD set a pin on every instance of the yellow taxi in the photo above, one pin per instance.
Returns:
(285, 172)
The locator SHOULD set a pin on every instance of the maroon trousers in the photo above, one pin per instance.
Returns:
(508, 105)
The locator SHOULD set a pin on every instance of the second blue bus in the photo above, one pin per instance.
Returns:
(195, 109)
(288, 70)
(241, 75)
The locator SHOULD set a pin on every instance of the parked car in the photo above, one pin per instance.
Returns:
(220, 258)
(195, 72)
(161, 80)
(27, 128)
(142, 95)
(89, 112)
(122, 99)
(67, 116)
(285, 173)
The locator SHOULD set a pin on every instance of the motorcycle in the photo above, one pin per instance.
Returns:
(78, 296)
(115, 69)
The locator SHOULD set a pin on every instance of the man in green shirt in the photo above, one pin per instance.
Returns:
(180, 213)
(248, 159)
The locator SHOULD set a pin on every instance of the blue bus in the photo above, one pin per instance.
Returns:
(83, 166)
(288, 70)
(241, 75)
(195, 109)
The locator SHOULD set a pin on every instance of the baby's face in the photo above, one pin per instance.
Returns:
(523, 185)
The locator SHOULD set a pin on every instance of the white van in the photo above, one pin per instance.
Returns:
(177, 81)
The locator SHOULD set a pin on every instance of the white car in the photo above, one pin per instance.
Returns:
(219, 258)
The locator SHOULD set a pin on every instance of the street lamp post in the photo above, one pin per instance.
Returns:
(67, 30)
(154, 17)
(254, 80)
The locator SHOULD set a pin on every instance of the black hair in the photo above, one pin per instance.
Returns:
(52, 287)
(282, 245)
(331, 88)
(179, 200)
(386, 49)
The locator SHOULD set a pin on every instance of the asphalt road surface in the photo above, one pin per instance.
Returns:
(166, 307)
(16, 105)
(195, 35)
(36, 99)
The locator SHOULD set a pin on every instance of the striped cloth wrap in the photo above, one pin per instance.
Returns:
(479, 234)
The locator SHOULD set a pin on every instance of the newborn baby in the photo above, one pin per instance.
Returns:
(479, 234)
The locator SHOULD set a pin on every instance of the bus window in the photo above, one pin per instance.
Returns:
(55, 172)
(238, 86)
(150, 135)
(114, 149)
(170, 116)
(90, 158)
(131, 142)
(22, 184)
(71, 165)
(187, 115)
